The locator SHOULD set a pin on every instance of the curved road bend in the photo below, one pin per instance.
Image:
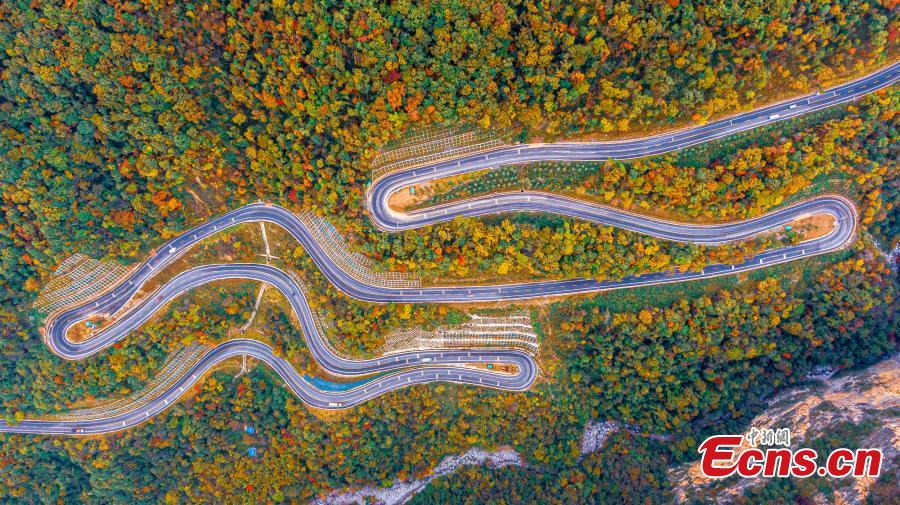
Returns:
(382, 188)
(839, 208)
(843, 212)
(277, 278)
(420, 367)
(297, 384)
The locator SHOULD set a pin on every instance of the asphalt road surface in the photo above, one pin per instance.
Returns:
(404, 369)
(389, 220)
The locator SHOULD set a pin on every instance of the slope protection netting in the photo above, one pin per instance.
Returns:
(510, 331)
(78, 278)
(358, 266)
(435, 143)
(175, 367)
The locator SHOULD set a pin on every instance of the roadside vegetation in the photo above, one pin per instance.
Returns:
(123, 123)
(846, 149)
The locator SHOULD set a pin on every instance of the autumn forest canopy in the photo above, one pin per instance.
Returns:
(123, 123)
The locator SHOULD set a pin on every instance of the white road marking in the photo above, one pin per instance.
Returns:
(522, 292)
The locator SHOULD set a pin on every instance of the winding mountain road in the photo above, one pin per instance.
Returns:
(400, 370)
(388, 219)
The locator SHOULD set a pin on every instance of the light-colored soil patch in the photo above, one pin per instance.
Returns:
(812, 227)
(407, 200)
(198, 200)
(81, 332)
(504, 368)
(412, 195)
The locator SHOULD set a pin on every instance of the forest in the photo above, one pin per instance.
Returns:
(123, 123)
